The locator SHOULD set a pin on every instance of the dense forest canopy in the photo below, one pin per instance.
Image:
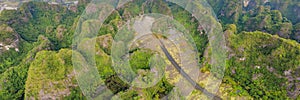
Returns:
(279, 17)
(262, 38)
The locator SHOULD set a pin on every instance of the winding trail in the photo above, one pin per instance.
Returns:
(185, 75)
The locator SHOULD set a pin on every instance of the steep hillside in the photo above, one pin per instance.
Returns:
(14, 72)
(51, 76)
(262, 65)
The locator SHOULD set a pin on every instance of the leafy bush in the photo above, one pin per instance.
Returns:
(140, 60)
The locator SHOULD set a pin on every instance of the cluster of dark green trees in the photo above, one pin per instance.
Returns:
(276, 17)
